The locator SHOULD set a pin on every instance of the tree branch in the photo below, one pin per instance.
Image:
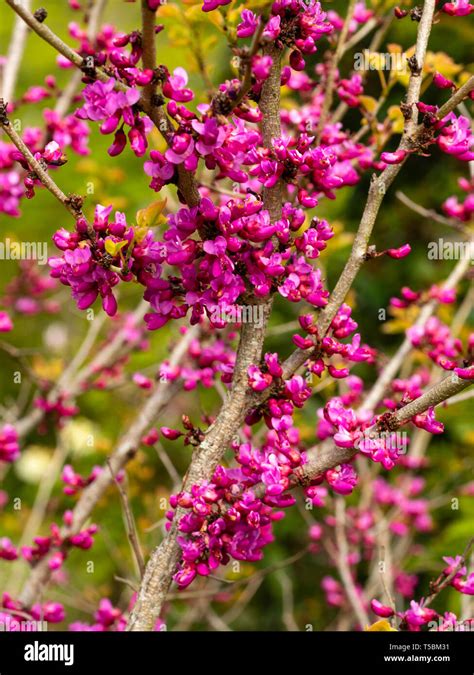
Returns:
(391, 369)
(131, 527)
(124, 452)
(38, 169)
(327, 457)
(331, 77)
(14, 55)
(164, 559)
(187, 185)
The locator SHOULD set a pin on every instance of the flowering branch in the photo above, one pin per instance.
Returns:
(73, 205)
(322, 459)
(343, 565)
(163, 561)
(124, 452)
(391, 369)
(186, 184)
(446, 579)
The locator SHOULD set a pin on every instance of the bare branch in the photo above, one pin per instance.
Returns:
(331, 76)
(131, 527)
(14, 55)
(343, 564)
(124, 452)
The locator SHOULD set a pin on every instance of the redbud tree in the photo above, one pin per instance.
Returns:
(241, 126)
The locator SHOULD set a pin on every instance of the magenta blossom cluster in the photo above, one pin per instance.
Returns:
(103, 103)
(9, 446)
(75, 482)
(51, 156)
(28, 293)
(461, 211)
(434, 337)
(56, 546)
(107, 618)
(419, 614)
(209, 360)
(13, 619)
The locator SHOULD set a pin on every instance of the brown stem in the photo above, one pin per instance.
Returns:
(14, 55)
(331, 77)
(447, 580)
(164, 559)
(124, 452)
(38, 169)
(187, 185)
(131, 527)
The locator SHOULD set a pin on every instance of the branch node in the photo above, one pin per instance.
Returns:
(40, 14)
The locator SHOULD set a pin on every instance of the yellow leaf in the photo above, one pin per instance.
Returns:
(369, 103)
(442, 63)
(394, 48)
(376, 60)
(382, 625)
(170, 11)
(113, 247)
(47, 369)
(463, 77)
(195, 13)
(396, 117)
(150, 215)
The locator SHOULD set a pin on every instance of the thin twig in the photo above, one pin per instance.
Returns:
(37, 168)
(14, 56)
(130, 523)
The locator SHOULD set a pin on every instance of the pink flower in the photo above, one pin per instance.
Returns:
(258, 381)
(6, 324)
(456, 137)
(52, 612)
(465, 373)
(342, 479)
(465, 586)
(381, 610)
(142, 381)
(248, 25)
(102, 102)
(107, 614)
(9, 448)
(458, 8)
(418, 615)
(428, 422)
(393, 157)
(175, 86)
(170, 434)
(401, 252)
(453, 564)
(442, 82)
(272, 29)
(7, 550)
(261, 66)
